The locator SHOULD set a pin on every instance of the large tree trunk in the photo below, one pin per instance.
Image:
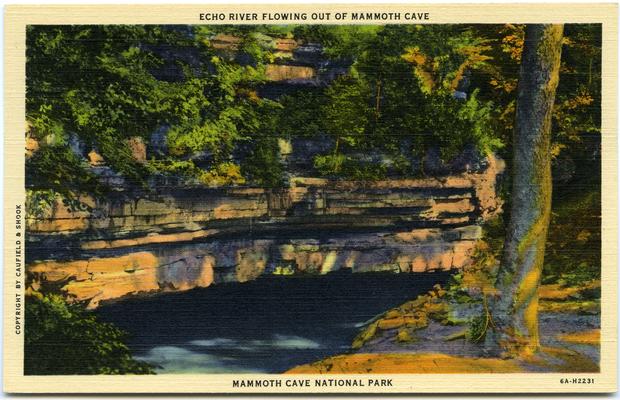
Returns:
(515, 308)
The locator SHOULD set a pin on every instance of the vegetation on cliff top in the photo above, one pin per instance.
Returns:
(101, 85)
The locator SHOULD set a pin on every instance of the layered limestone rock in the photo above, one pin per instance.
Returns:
(112, 275)
(278, 72)
(181, 238)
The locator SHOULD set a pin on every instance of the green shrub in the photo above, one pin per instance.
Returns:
(301, 114)
(341, 166)
(65, 339)
(573, 250)
(263, 166)
(477, 329)
(55, 171)
(346, 113)
(330, 164)
(452, 124)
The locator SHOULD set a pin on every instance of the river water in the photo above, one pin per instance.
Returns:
(267, 325)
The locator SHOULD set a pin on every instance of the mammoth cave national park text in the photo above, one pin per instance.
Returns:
(298, 383)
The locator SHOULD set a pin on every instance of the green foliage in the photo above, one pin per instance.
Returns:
(39, 202)
(263, 166)
(101, 84)
(385, 101)
(477, 329)
(330, 164)
(339, 165)
(55, 170)
(172, 166)
(224, 173)
(443, 54)
(339, 41)
(216, 136)
(456, 291)
(301, 114)
(452, 124)
(95, 81)
(573, 252)
(577, 108)
(346, 111)
(215, 124)
(64, 339)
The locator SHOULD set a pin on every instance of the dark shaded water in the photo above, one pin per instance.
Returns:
(267, 325)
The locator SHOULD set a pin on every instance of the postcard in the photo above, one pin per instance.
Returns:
(310, 198)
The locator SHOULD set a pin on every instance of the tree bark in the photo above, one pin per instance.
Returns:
(514, 308)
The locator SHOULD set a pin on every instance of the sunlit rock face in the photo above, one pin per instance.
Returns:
(184, 237)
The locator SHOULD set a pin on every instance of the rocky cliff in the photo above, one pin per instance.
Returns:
(177, 238)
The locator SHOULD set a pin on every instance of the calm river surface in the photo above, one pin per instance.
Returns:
(267, 325)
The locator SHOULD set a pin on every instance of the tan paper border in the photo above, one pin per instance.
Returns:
(16, 19)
